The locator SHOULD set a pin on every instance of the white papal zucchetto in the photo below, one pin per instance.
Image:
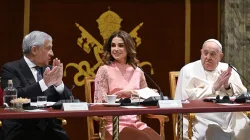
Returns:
(215, 41)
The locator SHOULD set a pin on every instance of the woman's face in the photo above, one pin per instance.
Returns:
(118, 50)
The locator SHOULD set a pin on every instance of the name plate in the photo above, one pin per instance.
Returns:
(169, 104)
(75, 106)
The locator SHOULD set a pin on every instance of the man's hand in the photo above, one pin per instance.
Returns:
(59, 77)
(56, 62)
(223, 79)
(227, 84)
(48, 79)
(54, 76)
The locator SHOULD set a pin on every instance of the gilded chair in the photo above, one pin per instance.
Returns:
(173, 77)
(96, 124)
(92, 122)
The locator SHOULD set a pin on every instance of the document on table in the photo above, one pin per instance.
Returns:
(146, 93)
(133, 106)
(36, 110)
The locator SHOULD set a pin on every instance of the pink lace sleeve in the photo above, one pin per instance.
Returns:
(101, 85)
(143, 82)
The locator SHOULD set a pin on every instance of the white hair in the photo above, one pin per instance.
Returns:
(35, 38)
(215, 41)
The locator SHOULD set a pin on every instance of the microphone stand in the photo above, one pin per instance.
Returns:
(158, 88)
(239, 73)
(247, 94)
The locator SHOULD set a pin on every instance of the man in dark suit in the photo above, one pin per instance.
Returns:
(37, 50)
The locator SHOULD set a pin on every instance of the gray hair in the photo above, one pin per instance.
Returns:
(35, 38)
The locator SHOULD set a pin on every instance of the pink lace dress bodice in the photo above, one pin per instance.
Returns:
(113, 78)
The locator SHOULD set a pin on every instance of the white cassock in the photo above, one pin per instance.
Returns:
(194, 83)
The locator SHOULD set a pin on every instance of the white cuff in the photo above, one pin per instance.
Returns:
(59, 88)
(43, 85)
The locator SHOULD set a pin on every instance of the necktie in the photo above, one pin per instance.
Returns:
(39, 73)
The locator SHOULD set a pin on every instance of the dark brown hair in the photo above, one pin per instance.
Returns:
(129, 46)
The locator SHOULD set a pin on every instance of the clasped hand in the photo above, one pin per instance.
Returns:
(223, 79)
(54, 76)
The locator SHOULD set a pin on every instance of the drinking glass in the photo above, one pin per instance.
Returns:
(41, 101)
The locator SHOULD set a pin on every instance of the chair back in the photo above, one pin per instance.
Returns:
(173, 78)
(93, 130)
(1, 94)
(89, 89)
(1, 103)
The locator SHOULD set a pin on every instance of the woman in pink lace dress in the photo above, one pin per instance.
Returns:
(120, 75)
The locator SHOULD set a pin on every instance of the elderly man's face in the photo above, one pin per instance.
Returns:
(210, 56)
(43, 54)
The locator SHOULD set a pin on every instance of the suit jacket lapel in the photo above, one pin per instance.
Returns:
(27, 72)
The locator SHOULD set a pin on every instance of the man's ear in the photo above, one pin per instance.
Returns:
(34, 50)
(221, 55)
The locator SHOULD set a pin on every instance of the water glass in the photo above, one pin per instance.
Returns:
(41, 101)
(76, 101)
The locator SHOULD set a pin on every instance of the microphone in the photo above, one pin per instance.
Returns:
(242, 98)
(239, 73)
(73, 86)
(158, 88)
(59, 104)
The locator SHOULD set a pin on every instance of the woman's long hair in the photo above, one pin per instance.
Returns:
(129, 46)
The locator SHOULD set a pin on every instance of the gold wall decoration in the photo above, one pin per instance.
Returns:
(108, 23)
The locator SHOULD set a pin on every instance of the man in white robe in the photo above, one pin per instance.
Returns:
(209, 77)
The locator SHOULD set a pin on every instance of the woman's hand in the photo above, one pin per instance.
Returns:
(155, 90)
(126, 93)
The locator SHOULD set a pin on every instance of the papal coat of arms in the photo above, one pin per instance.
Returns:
(108, 23)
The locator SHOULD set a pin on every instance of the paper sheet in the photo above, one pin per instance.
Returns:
(133, 106)
(48, 103)
(36, 110)
(146, 93)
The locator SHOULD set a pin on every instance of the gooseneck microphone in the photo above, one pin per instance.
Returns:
(73, 86)
(243, 97)
(239, 73)
(158, 88)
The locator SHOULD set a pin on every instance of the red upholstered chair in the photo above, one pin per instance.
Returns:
(96, 124)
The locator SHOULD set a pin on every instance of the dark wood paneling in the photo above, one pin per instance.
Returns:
(204, 24)
(11, 29)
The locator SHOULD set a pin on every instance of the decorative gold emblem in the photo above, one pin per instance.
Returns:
(108, 23)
